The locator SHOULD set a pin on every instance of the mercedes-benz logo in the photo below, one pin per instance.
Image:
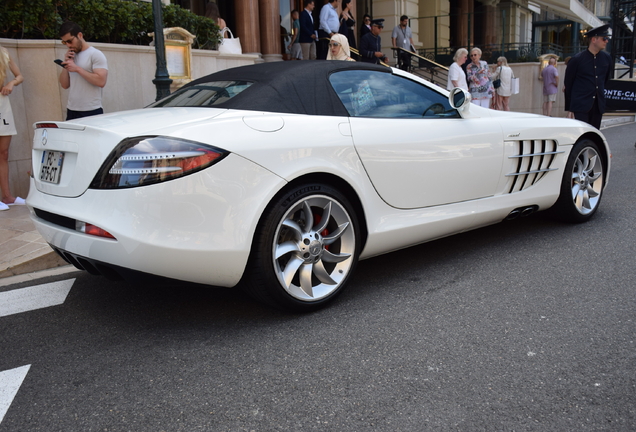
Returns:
(45, 137)
(315, 247)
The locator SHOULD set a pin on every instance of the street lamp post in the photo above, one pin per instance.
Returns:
(162, 78)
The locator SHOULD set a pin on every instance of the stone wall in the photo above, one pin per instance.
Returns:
(530, 97)
(131, 70)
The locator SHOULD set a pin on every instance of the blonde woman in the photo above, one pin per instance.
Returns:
(7, 125)
(504, 73)
(339, 48)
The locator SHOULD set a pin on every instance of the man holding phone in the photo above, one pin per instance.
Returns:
(85, 73)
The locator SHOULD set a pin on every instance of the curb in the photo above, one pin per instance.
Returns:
(614, 121)
(46, 261)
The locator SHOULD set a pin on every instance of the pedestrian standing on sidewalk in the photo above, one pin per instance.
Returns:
(7, 125)
(456, 75)
(329, 26)
(84, 75)
(478, 78)
(294, 46)
(586, 76)
(308, 35)
(504, 74)
(402, 37)
(550, 76)
(371, 44)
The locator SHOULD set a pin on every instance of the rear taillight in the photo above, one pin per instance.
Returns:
(143, 161)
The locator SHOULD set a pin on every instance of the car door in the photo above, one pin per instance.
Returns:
(416, 149)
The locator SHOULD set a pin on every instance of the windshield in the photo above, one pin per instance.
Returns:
(203, 95)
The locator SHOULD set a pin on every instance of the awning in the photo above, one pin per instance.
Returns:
(572, 10)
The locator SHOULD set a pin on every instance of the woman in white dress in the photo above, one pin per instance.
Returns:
(456, 75)
(504, 73)
(7, 125)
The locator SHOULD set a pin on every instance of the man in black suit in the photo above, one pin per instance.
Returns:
(307, 31)
(371, 43)
(586, 76)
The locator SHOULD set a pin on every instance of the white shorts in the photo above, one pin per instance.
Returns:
(549, 98)
(7, 125)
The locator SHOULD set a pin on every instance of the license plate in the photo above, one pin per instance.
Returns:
(51, 166)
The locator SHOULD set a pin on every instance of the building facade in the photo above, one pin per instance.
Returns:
(521, 29)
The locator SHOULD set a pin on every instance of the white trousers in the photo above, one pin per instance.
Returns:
(482, 102)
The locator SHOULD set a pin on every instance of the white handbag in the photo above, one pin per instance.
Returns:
(229, 45)
(514, 85)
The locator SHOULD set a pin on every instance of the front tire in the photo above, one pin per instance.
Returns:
(305, 249)
(582, 184)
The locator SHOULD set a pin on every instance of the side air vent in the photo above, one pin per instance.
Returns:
(532, 160)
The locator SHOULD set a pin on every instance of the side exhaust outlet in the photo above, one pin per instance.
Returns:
(522, 211)
(529, 210)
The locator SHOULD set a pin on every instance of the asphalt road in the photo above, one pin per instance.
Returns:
(528, 325)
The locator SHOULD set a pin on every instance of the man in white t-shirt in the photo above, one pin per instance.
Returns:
(85, 74)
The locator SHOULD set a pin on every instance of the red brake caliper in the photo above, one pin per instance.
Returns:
(324, 232)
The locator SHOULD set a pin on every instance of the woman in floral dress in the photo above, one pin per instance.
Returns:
(479, 82)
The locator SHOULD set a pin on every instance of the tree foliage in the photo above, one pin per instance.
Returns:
(112, 21)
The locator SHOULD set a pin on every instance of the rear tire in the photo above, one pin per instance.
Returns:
(582, 184)
(305, 249)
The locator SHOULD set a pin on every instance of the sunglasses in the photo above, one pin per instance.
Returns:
(334, 44)
(474, 55)
(606, 39)
(67, 42)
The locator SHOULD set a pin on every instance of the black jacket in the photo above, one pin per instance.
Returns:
(306, 28)
(369, 45)
(585, 79)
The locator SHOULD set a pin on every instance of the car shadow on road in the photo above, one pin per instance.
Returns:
(176, 305)
(409, 269)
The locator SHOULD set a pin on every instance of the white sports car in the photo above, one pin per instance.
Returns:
(284, 175)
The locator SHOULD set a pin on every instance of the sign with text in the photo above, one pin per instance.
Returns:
(620, 96)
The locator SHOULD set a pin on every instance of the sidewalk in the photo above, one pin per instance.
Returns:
(23, 250)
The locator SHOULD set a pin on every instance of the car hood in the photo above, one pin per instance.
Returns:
(86, 143)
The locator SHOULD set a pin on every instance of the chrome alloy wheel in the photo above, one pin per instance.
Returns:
(587, 180)
(313, 248)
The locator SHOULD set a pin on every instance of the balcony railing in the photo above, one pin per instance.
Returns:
(423, 67)
(514, 52)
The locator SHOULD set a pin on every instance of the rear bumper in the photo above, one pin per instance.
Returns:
(198, 228)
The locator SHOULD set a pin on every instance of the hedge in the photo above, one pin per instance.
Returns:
(111, 21)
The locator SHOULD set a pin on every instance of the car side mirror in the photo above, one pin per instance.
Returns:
(459, 98)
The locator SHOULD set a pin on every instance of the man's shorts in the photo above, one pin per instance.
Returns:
(549, 98)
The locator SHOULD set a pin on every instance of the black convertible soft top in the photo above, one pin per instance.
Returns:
(296, 87)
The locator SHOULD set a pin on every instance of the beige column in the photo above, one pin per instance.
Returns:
(467, 7)
(270, 30)
(489, 21)
(248, 26)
